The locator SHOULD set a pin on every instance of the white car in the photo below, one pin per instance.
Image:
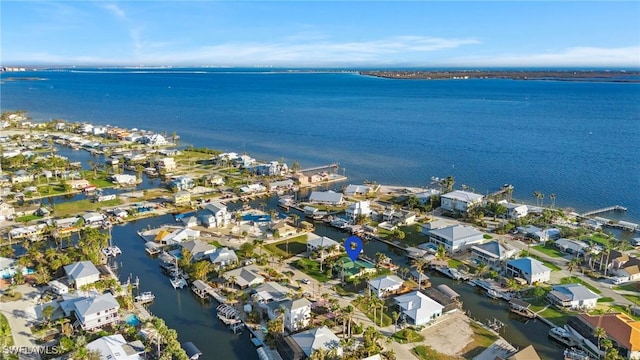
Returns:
(305, 281)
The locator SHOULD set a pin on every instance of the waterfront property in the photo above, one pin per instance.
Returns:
(96, 312)
(115, 347)
(198, 249)
(573, 296)
(571, 246)
(493, 253)
(323, 243)
(455, 238)
(269, 291)
(297, 313)
(245, 276)
(326, 197)
(82, 273)
(222, 257)
(385, 286)
(515, 211)
(418, 308)
(623, 331)
(313, 340)
(460, 201)
(532, 270)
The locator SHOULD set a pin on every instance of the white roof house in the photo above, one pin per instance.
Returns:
(418, 308)
(115, 347)
(383, 286)
(314, 243)
(516, 211)
(532, 270)
(93, 217)
(181, 235)
(352, 190)
(82, 273)
(270, 291)
(359, 208)
(493, 253)
(459, 200)
(297, 313)
(223, 257)
(456, 237)
(96, 312)
(318, 338)
(571, 246)
(198, 249)
(326, 197)
(574, 296)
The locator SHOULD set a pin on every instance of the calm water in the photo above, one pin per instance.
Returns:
(577, 140)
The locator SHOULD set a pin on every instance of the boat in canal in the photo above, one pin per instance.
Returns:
(178, 282)
(144, 297)
(563, 336)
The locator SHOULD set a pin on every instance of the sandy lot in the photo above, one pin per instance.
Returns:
(449, 336)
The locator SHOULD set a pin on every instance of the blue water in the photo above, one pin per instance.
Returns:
(578, 140)
(132, 320)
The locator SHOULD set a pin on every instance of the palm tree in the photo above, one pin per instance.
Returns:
(600, 333)
(553, 200)
(536, 194)
(573, 264)
(382, 307)
(419, 264)
(395, 316)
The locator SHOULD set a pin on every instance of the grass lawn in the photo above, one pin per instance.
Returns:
(311, 268)
(453, 263)
(386, 319)
(553, 252)
(424, 352)
(605, 300)
(297, 245)
(407, 335)
(576, 280)
(74, 207)
(556, 316)
(482, 339)
(28, 218)
(412, 237)
(8, 338)
(628, 287)
(215, 243)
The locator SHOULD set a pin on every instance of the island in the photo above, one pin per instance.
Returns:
(556, 75)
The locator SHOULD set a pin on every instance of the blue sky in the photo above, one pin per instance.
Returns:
(324, 33)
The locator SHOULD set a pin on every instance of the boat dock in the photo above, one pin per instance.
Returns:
(230, 317)
(143, 314)
(202, 289)
(605, 209)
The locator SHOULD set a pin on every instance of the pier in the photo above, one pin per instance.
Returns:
(316, 168)
(605, 209)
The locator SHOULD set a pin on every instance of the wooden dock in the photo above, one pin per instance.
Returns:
(605, 209)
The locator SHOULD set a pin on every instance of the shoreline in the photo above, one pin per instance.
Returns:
(551, 75)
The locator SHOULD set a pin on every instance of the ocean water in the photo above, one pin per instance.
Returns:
(578, 140)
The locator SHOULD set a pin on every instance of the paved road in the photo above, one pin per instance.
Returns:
(21, 316)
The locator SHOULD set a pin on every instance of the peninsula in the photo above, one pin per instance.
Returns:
(556, 75)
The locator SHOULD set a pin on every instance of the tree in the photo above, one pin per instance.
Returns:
(447, 183)
(537, 194)
(553, 200)
(573, 264)
(395, 316)
(419, 265)
(600, 333)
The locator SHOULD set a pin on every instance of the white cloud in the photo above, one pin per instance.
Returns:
(115, 10)
(574, 56)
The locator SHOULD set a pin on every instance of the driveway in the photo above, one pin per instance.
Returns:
(20, 315)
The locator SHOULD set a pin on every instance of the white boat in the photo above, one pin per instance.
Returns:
(107, 252)
(115, 251)
(178, 282)
(576, 354)
(563, 336)
(494, 294)
(146, 296)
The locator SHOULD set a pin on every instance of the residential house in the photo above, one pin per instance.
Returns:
(273, 168)
(245, 276)
(571, 246)
(321, 242)
(385, 285)
(223, 257)
(268, 292)
(297, 314)
(359, 190)
(92, 218)
(154, 140)
(79, 184)
(253, 188)
(436, 223)
(532, 270)
(622, 330)
(215, 180)
(7, 211)
(183, 183)
(326, 197)
(220, 217)
(315, 339)
(97, 312)
(6, 265)
(182, 197)
(199, 250)
(21, 176)
(358, 209)
(418, 309)
(573, 296)
(58, 287)
(460, 201)
(115, 347)
(624, 265)
(493, 253)
(515, 211)
(124, 179)
(347, 268)
(424, 197)
(283, 229)
(178, 236)
(281, 185)
(82, 273)
(455, 238)
(165, 165)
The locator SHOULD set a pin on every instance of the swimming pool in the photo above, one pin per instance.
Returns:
(132, 320)
(9, 273)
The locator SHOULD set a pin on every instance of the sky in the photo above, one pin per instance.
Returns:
(321, 33)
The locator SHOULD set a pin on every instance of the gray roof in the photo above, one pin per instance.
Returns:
(214, 207)
(222, 255)
(460, 195)
(81, 269)
(314, 339)
(296, 304)
(529, 265)
(456, 232)
(6, 262)
(325, 197)
(97, 304)
(575, 292)
(245, 275)
(492, 247)
(323, 242)
(385, 282)
(197, 246)
(271, 290)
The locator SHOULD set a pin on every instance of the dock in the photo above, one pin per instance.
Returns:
(143, 314)
(605, 209)
(329, 166)
(202, 289)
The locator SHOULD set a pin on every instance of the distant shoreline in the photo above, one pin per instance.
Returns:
(587, 76)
